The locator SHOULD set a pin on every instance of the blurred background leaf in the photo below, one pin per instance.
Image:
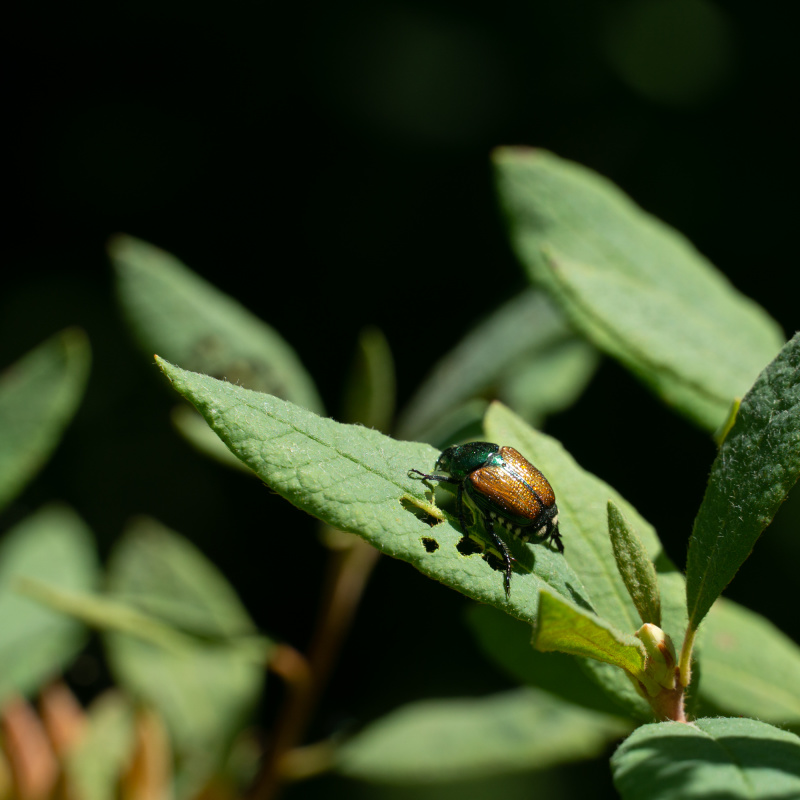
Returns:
(177, 314)
(467, 738)
(38, 396)
(634, 287)
(54, 546)
(205, 690)
(523, 353)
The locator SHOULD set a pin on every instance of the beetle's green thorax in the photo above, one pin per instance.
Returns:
(462, 459)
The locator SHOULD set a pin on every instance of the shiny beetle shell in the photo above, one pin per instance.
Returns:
(522, 493)
(506, 489)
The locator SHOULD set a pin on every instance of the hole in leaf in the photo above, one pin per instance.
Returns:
(431, 545)
(468, 546)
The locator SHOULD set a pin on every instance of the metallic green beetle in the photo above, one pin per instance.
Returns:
(505, 488)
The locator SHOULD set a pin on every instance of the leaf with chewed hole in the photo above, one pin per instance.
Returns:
(582, 500)
(357, 480)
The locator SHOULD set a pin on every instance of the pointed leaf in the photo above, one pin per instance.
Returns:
(55, 547)
(636, 288)
(205, 689)
(756, 466)
(634, 566)
(357, 480)
(370, 388)
(582, 500)
(469, 738)
(526, 332)
(174, 311)
(38, 396)
(568, 629)
(749, 667)
(721, 758)
(549, 381)
(506, 642)
(99, 611)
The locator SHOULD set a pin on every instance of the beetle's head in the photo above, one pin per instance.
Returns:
(447, 460)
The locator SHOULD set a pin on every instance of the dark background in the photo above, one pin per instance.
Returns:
(327, 164)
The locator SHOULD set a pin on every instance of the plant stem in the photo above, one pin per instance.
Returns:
(348, 571)
(685, 663)
(668, 705)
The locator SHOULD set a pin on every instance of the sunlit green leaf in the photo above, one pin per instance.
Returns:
(582, 500)
(756, 466)
(357, 480)
(634, 566)
(568, 629)
(507, 643)
(636, 288)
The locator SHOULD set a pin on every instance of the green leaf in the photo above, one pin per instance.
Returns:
(568, 629)
(55, 547)
(370, 387)
(582, 500)
(549, 381)
(469, 738)
(506, 642)
(174, 311)
(633, 286)
(749, 667)
(357, 480)
(93, 768)
(711, 758)
(98, 611)
(756, 466)
(39, 394)
(204, 689)
(634, 566)
(460, 424)
(524, 352)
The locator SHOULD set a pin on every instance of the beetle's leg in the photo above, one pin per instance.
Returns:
(442, 478)
(551, 534)
(555, 538)
(503, 548)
